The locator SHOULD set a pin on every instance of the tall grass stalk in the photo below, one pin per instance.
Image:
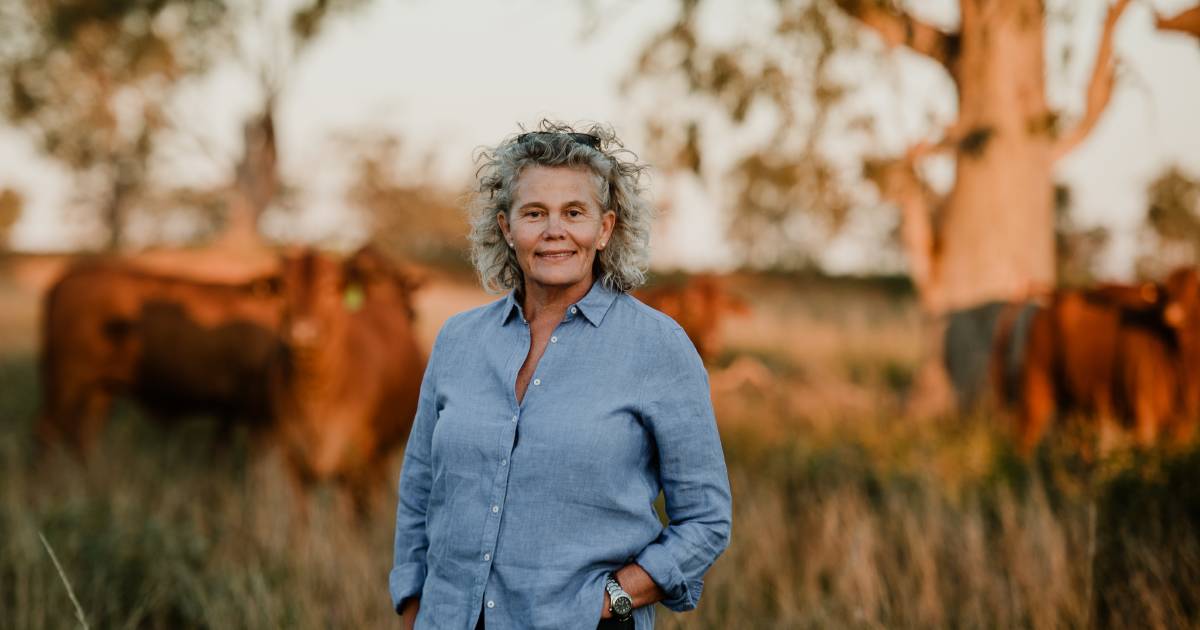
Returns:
(66, 583)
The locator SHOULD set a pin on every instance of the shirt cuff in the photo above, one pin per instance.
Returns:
(405, 580)
(681, 594)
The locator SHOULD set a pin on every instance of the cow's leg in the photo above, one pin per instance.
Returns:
(1037, 408)
(1038, 396)
(364, 486)
(76, 419)
(93, 415)
(1150, 412)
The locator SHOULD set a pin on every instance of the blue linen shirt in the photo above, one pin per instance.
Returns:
(521, 511)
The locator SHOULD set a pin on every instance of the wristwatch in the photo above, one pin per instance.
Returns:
(620, 604)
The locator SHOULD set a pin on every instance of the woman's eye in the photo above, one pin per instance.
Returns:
(574, 212)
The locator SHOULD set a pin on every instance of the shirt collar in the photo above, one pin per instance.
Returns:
(596, 303)
(594, 306)
(511, 305)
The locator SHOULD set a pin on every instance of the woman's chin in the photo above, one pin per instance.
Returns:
(558, 278)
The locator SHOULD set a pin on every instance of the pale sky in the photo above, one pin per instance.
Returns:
(449, 76)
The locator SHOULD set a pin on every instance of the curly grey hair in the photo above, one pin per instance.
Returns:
(618, 178)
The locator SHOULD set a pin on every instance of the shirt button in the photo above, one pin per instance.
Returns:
(495, 509)
(491, 604)
(554, 340)
(487, 556)
(573, 310)
(537, 381)
(504, 462)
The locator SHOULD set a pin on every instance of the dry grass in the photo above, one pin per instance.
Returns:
(845, 516)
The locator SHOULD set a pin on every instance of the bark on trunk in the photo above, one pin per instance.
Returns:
(997, 228)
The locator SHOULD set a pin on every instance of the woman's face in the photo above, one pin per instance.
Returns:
(556, 226)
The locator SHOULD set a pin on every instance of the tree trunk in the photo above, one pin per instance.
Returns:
(115, 210)
(996, 234)
(255, 185)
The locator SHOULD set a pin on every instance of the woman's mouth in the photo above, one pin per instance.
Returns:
(555, 256)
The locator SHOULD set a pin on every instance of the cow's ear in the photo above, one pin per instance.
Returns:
(365, 265)
(412, 278)
(267, 286)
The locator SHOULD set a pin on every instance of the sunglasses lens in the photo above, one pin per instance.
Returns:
(585, 139)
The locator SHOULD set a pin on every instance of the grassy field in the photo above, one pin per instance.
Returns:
(845, 513)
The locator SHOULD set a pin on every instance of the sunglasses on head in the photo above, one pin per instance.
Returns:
(586, 139)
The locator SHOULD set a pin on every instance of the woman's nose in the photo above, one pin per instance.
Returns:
(554, 226)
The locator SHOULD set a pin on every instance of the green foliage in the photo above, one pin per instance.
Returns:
(1172, 222)
(789, 195)
(89, 80)
(1077, 249)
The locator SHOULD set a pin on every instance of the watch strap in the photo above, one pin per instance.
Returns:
(614, 591)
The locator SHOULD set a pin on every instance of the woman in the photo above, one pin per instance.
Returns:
(549, 421)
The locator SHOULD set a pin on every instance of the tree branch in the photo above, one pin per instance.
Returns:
(1186, 21)
(898, 28)
(1100, 87)
(899, 183)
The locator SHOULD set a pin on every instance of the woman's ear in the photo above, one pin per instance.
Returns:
(502, 220)
(607, 223)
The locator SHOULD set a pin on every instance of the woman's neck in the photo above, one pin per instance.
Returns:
(540, 301)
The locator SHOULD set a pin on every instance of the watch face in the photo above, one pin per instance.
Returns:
(622, 605)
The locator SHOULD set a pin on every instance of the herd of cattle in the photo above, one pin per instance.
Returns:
(320, 355)
(1127, 353)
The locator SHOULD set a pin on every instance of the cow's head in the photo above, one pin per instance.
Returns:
(314, 291)
(380, 279)
(321, 293)
(1183, 301)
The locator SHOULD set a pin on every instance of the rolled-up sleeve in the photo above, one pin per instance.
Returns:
(678, 411)
(407, 576)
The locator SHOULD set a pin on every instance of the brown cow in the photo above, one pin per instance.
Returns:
(1182, 314)
(176, 346)
(1112, 351)
(345, 391)
(699, 305)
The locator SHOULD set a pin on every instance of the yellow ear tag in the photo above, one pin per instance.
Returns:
(353, 297)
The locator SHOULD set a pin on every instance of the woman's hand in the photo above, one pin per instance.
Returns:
(408, 613)
(638, 584)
